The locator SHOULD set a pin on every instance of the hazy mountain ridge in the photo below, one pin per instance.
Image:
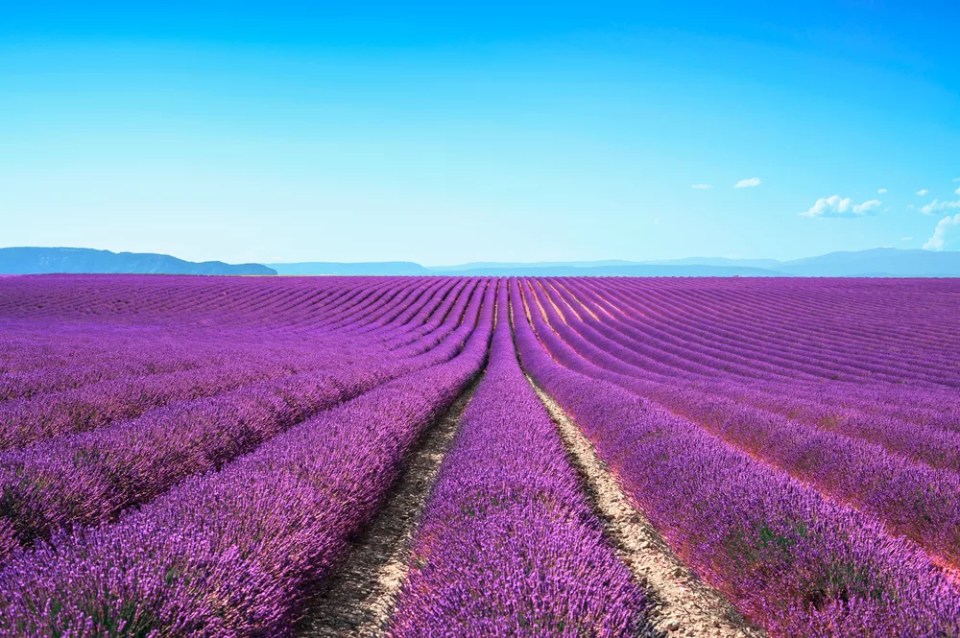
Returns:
(624, 270)
(879, 262)
(352, 268)
(35, 261)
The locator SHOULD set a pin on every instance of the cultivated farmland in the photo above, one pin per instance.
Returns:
(412, 457)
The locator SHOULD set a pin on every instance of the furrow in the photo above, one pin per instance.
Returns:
(683, 605)
(356, 601)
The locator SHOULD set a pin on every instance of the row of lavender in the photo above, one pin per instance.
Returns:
(53, 350)
(508, 544)
(898, 471)
(738, 334)
(919, 422)
(794, 561)
(228, 364)
(231, 553)
(89, 477)
(231, 360)
(817, 510)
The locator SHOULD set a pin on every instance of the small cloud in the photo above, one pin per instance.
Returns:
(836, 206)
(701, 187)
(945, 226)
(906, 239)
(956, 179)
(923, 192)
(882, 191)
(957, 191)
(750, 182)
(936, 206)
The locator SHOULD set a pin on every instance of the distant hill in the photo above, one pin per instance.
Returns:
(377, 268)
(878, 262)
(34, 261)
(620, 270)
(766, 264)
(494, 269)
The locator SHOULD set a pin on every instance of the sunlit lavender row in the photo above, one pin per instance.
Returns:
(202, 456)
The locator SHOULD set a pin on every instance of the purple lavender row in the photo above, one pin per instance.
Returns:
(918, 434)
(430, 335)
(681, 346)
(924, 407)
(790, 559)
(679, 333)
(675, 323)
(409, 316)
(89, 478)
(93, 368)
(145, 360)
(24, 421)
(852, 337)
(386, 302)
(777, 308)
(184, 303)
(64, 359)
(925, 442)
(667, 344)
(143, 357)
(91, 364)
(663, 350)
(622, 329)
(368, 314)
(914, 500)
(508, 545)
(425, 323)
(406, 308)
(232, 553)
(90, 407)
(917, 501)
(943, 410)
(417, 323)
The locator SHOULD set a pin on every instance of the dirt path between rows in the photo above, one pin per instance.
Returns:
(358, 599)
(683, 604)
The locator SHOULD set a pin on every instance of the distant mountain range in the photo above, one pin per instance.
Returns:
(879, 262)
(353, 268)
(30, 261)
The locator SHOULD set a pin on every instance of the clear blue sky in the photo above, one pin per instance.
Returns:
(356, 131)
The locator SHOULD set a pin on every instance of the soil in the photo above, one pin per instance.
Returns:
(357, 600)
(683, 604)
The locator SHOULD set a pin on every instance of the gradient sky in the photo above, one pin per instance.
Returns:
(428, 131)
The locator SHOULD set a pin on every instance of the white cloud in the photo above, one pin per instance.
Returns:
(923, 192)
(957, 191)
(906, 239)
(836, 206)
(936, 206)
(882, 191)
(750, 182)
(938, 239)
(701, 187)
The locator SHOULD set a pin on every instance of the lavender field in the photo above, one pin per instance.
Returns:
(442, 456)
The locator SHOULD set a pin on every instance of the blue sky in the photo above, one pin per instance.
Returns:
(358, 131)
